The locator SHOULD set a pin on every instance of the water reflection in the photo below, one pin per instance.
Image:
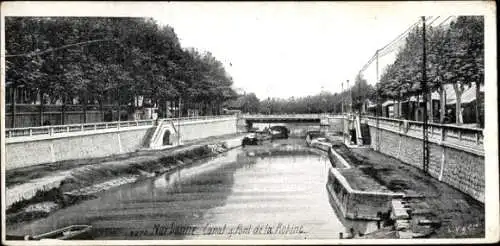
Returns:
(239, 196)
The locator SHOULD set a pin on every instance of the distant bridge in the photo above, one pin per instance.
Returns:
(270, 118)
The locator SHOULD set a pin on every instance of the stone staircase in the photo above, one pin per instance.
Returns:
(156, 139)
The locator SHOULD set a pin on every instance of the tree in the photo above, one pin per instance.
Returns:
(455, 55)
(465, 60)
(361, 91)
(110, 60)
(439, 47)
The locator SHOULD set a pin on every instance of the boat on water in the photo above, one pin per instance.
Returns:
(66, 233)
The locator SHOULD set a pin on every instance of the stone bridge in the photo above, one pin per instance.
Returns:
(245, 121)
(268, 118)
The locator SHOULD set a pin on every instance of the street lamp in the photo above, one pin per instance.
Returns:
(350, 97)
(342, 101)
(343, 121)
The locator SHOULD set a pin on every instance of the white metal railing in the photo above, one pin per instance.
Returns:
(59, 129)
(458, 135)
(283, 116)
(211, 117)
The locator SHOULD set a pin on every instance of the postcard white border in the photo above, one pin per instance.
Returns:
(145, 9)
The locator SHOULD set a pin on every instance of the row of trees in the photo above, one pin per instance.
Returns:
(110, 60)
(324, 102)
(455, 55)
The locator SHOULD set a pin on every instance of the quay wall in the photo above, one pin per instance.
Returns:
(24, 151)
(352, 203)
(207, 128)
(356, 204)
(456, 155)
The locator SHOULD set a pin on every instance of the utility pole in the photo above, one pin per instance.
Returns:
(350, 97)
(13, 105)
(425, 92)
(342, 101)
(377, 115)
(118, 102)
(179, 123)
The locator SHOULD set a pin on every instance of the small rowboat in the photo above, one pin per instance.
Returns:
(70, 232)
(66, 233)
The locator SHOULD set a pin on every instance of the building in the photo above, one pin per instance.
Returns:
(412, 108)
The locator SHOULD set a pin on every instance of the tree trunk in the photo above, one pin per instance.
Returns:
(118, 109)
(430, 106)
(101, 109)
(442, 104)
(84, 103)
(166, 109)
(478, 101)
(180, 107)
(417, 107)
(13, 105)
(458, 104)
(63, 110)
(40, 110)
(399, 108)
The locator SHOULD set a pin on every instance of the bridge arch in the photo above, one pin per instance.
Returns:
(282, 129)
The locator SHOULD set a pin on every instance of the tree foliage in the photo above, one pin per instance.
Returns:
(114, 60)
(455, 55)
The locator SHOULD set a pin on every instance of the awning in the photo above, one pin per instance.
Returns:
(387, 103)
(468, 96)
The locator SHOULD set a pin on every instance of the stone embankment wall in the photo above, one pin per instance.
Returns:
(456, 154)
(49, 149)
(353, 203)
(39, 149)
(191, 130)
(356, 204)
(335, 124)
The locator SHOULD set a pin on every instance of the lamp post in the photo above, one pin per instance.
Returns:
(342, 101)
(350, 97)
(425, 144)
(343, 121)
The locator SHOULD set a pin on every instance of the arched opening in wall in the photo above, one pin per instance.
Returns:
(166, 138)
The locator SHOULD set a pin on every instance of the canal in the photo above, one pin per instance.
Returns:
(236, 195)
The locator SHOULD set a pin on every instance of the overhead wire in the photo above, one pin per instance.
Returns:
(445, 20)
(385, 47)
(397, 42)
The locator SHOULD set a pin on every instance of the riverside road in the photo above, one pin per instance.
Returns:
(236, 195)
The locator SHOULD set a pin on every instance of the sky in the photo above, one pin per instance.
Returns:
(277, 49)
(287, 49)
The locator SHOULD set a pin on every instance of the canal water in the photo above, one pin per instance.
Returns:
(235, 195)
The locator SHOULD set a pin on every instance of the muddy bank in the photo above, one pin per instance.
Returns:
(41, 196)
(25, 174)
